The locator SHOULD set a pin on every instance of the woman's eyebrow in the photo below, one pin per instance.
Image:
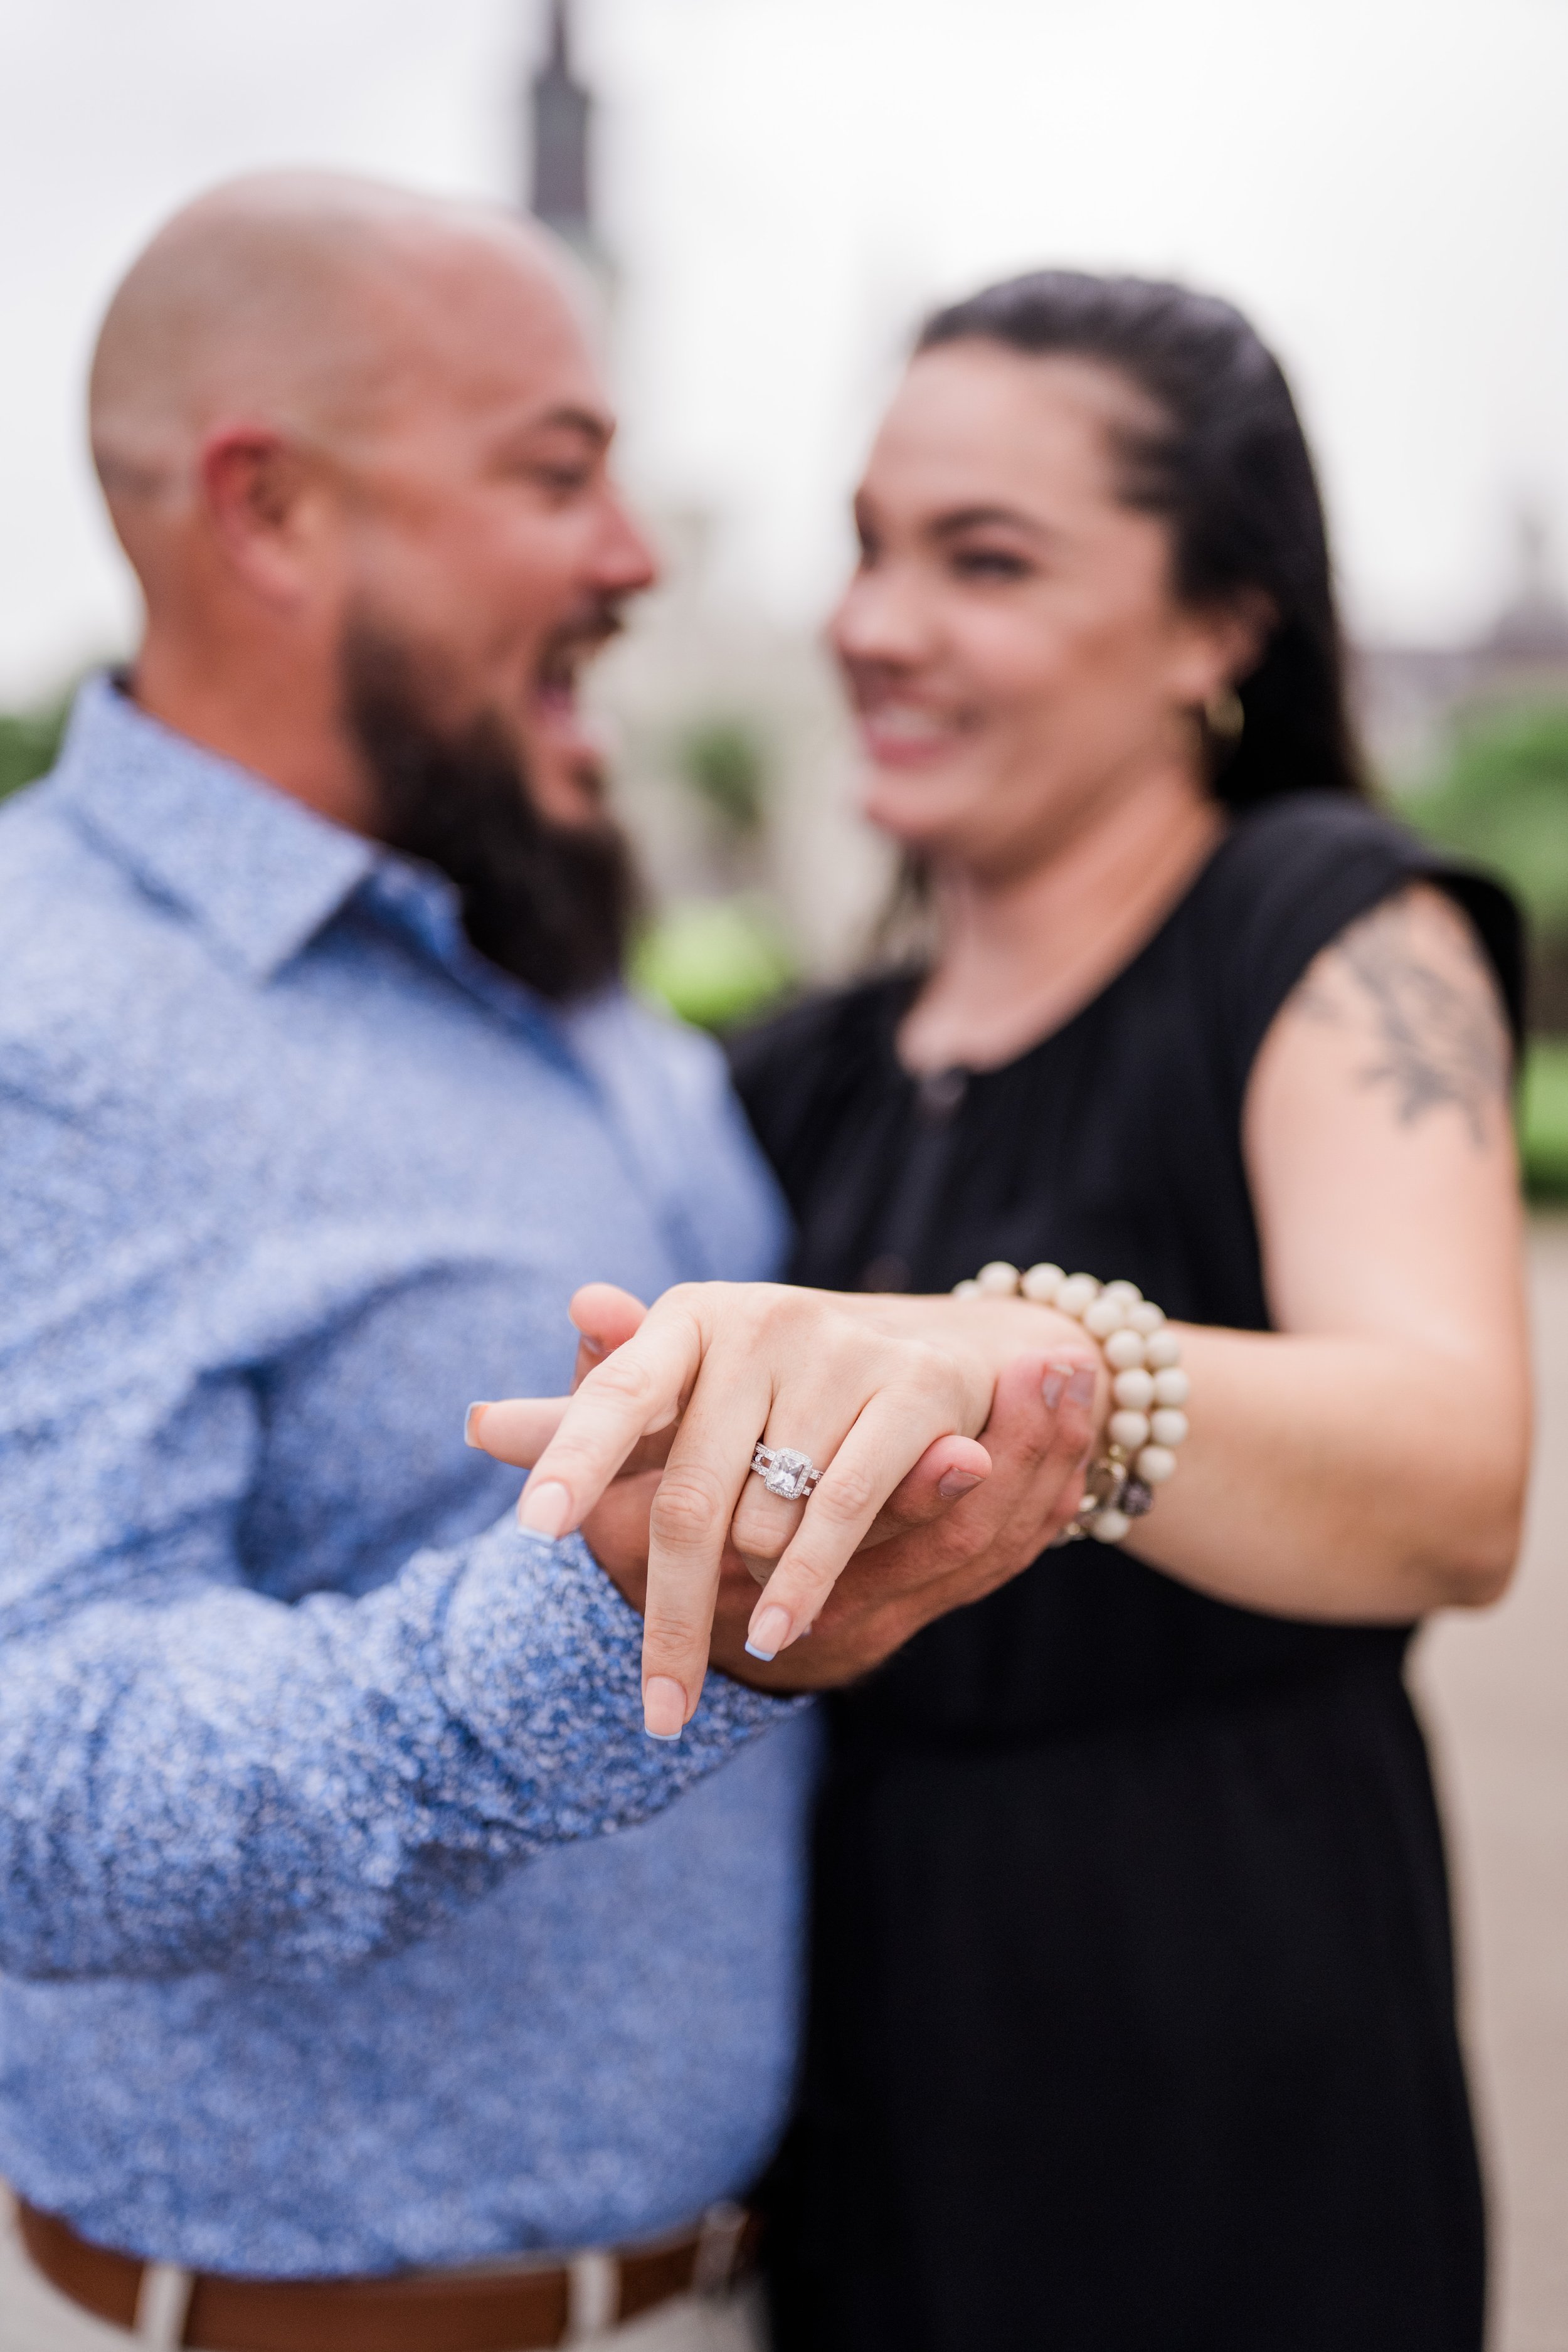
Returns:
(961, 519)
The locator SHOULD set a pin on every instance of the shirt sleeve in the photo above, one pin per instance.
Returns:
(198, 1776)
(218, 1780)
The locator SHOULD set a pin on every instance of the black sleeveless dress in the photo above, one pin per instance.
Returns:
(1131, 2013)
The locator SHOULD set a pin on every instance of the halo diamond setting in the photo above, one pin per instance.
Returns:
(785, 1473)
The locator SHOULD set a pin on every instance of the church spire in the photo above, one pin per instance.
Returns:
(562, 112)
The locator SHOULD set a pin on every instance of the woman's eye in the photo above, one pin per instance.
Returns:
(989, 563)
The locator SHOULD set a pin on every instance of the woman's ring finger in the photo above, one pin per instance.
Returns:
(784, 1471)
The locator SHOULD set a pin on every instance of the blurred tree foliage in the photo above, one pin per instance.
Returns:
(726, 765)
(1543, 1119)
(28, 742)
(715, 961)
(1502, 799)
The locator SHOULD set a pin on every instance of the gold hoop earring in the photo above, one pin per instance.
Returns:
(1225, 716)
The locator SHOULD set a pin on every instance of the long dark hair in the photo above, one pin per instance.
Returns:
(1227, 465)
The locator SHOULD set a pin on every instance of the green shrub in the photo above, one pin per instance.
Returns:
(28, 742)
(1543, 1119)
(725, 763)
(714, 961)
(1502, 799)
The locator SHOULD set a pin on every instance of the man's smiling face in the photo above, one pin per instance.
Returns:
(480, 525)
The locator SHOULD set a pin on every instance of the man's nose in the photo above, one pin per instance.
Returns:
(624, 560)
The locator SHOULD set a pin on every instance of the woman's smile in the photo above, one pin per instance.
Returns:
(898, 732)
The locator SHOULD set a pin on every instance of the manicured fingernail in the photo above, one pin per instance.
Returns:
(957, 1482)
(471, 1424)
(545, 1510)
(768, 1634)
(591, 1346)
(1080, 1388)
(663, 1707)
(1056, 1382)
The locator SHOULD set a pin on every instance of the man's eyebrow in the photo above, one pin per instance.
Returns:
(568, 419)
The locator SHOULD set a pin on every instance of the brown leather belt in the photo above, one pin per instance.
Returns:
(486, 2308)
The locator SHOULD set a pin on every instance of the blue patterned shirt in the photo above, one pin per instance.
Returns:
(346, 1918)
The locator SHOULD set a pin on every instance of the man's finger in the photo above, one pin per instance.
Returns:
(944, 1474)
(605, 1318)
(1031, 1447)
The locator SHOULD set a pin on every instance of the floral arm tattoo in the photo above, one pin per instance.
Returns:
(1409, 981)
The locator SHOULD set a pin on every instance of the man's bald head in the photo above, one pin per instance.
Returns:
(356, 445)
(309, 302)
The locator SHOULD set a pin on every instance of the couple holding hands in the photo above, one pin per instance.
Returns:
(1109, 1851)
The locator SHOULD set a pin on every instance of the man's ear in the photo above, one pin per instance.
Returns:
(256, 487)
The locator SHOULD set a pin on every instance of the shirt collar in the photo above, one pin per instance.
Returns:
(261, 871)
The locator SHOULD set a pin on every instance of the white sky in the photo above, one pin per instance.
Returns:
(1383, 182)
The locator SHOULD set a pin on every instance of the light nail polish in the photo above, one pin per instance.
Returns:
(545, 1510)
(1080, 1388)
(768, 1634)
(469, 1436)
(1056, 1384)
(663, 1707)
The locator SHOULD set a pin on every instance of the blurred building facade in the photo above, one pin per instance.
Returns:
(730, 754)
(1410, 695)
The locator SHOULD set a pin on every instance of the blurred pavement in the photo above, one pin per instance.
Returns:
(1494, 1690)
(1495, 1693)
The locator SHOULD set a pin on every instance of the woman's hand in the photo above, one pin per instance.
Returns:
(928, 1554)
(714, 1368)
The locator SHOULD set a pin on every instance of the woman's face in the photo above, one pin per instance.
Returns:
(1011, 645)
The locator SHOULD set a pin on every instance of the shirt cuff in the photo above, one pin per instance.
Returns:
(542, 1666)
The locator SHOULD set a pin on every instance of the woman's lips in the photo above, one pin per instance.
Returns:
(905, 735)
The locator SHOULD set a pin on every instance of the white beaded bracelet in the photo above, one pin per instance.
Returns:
(1147, 1386)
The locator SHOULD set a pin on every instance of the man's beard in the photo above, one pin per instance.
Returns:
(552, 903)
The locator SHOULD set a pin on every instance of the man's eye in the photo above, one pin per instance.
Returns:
(563, 481)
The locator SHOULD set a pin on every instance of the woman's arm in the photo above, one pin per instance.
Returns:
(1367, 1461)
(1364, 1461)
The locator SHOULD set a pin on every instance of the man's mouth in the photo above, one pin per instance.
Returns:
(557, 715)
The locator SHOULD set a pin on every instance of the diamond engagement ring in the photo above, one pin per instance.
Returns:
(784, 1472)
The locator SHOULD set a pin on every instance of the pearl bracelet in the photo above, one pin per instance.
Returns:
(1147, 1386)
